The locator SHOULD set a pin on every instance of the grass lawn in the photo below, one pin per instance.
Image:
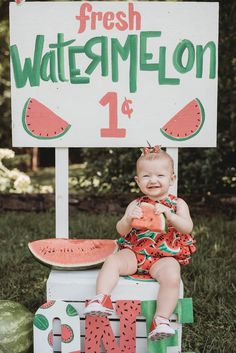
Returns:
(209, 279)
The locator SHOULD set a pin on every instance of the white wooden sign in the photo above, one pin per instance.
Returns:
(114, 74)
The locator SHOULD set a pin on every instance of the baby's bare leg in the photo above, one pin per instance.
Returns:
(124, 262)
(167, 273)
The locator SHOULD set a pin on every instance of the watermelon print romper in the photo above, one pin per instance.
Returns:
(150, 246)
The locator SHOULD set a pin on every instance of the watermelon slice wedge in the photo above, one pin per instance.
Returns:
(41, 122)
(150, 220)
(72, 254)
(186, 123)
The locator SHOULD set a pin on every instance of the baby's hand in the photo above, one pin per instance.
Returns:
(136, 212)
(159, 208)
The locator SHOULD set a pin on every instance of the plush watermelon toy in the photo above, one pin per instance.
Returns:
(150, 220)
(41, 122)
(16, 328)
(72, 254)
(186, 123)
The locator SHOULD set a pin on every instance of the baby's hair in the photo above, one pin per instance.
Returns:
(151, 156)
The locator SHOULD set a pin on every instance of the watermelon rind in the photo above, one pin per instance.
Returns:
(73, 264)
(35, 135)
(138, 277)
(16, 328)
(195, 133)
(71, 311)
(41, 322)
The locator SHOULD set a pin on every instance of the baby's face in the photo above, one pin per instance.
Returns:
(154, 177)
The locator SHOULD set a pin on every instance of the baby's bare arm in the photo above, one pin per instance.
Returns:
(181, 220)
(123, 226)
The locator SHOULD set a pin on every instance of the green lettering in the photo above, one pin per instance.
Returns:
(32, 72)
(178, 56)
(96, 59)
(144, 56)
(162, 70)
(48, 58)
(199, 56)
(130, 48)
(60, 54)
(74, 71)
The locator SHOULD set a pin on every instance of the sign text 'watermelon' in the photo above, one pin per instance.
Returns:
(146, 61)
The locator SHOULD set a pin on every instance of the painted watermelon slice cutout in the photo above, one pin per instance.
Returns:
(41, 122)
(72, 254)
(186, 123)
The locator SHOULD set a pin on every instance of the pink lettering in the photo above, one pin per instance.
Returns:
(89, 19)
(82, 18)
(108, 17)
(134, 14)
(122, 25)
(98, 329)
(94, 17)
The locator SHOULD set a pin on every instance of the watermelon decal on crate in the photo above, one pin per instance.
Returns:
(45, 334)
(72, 254)
(41, 122)
(187, 123)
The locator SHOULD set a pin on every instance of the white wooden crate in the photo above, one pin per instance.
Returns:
(78, 286)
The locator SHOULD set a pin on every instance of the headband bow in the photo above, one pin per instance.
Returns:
(147, 150)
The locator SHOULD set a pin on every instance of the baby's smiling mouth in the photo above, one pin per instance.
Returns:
(153, 187)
